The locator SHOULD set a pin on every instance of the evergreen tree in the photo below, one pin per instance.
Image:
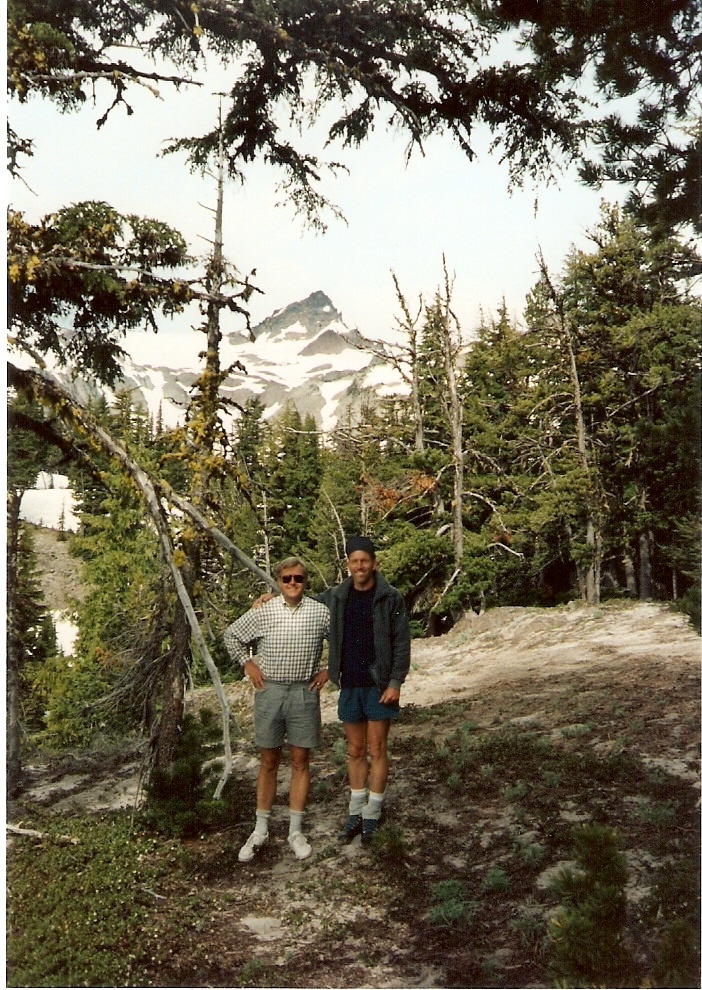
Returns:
(95, 271)
(293, 478)
(640, 333)
(633, 337)
(442, 344)
(500, 564)
(436, 68)
(577, 485)
(123, 620)
(31, 641)
(647, 54)
(34, 444)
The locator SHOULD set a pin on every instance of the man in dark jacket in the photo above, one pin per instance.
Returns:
(369, 655)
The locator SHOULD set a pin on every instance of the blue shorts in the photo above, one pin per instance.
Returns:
(362, 704)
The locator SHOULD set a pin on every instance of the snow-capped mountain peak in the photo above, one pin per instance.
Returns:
(301, 354)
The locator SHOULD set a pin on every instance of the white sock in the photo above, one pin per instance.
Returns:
(262, 822)
(374, 807)
(295, 821)
(358, 800)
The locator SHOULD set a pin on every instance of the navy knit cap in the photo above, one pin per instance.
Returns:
(361, 543)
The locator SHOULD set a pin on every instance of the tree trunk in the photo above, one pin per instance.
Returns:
(630, 574)
(205, 409)
(593, 535)
(593, 531)
(266, 540)
(581, 573)
(594, 569)
(417, 415)
(170, 723)
(645, 575)
(13, 738)
(454, 411)
(590, 578)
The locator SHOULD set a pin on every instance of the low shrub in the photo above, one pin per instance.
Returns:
(586, 931)
(450, 907)
(78, 913)
(179, 801)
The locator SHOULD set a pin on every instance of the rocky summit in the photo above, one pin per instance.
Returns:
(301, 354)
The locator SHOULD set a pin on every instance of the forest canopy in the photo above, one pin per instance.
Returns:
(611, 85)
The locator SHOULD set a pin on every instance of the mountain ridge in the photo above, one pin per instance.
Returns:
(302, 353)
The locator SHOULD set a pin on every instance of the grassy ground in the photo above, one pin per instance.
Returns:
(544, 832)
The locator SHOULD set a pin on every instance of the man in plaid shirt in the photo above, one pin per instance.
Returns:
(288, 633)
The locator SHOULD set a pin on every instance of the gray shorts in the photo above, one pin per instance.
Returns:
(283, 710)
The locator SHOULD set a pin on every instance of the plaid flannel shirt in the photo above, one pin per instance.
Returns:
(288, 641)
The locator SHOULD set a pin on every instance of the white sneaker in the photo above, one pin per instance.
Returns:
(251, 846)
(299, 845)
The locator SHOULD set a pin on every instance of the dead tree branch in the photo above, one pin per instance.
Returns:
(37, 386)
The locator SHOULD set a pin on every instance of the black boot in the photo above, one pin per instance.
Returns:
(368, 830)
(351, 829)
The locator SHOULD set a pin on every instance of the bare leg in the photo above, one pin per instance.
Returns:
(356, 759)
(299, 777)
(378, 750)
(267, 783)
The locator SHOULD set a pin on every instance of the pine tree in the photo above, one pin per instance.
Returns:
(631, 335)
(293, 479)
(31, 640)
(500, 563)
(641, 335)
(33, 445)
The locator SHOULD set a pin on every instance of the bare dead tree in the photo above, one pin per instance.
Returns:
(589, 574)
(154, 497)
(403, 358)
(449, 332)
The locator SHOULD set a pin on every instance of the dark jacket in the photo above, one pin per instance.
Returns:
(391, 633)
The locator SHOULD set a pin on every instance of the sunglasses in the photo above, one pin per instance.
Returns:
(297, 578)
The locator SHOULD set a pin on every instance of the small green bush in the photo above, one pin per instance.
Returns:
(179, 801)
(390, 843)
(533, 854)
(660, 815)
(691, 605)
(674, 908)
(586, 931)
(450, 909)
(255, 973)
(495, 881)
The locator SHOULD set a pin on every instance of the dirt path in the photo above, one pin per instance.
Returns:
(506, 644)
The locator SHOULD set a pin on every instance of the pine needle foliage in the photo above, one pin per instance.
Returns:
(585, 932)
(179, 799)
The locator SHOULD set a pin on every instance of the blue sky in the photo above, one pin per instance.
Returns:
(399, 217)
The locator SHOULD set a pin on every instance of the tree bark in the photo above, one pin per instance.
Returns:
(454, 414)
(170, 724)
(32, 833)
(630, 574)
(14, 758)
(645, 569)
